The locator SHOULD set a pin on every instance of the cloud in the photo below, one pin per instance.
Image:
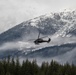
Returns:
(13, 12)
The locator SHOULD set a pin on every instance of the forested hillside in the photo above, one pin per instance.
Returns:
(12, 67)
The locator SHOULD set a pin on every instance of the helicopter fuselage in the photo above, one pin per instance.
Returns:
(40, 40)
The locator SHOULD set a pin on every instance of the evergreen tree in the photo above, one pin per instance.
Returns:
(12, 67)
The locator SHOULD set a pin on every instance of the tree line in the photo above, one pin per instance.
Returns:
(13, 67)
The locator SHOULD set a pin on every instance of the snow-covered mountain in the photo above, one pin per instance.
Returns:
(60, 27)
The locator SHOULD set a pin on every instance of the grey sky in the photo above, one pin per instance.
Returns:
(13, 12)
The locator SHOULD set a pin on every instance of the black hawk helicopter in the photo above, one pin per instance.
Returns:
(40, 40)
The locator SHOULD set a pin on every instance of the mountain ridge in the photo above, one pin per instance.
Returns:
(60, 27)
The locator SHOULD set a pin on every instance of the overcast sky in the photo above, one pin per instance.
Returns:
(13, 12)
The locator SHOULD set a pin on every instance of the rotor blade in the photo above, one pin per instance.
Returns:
(39, 35)
(31, 39)
(44, 37)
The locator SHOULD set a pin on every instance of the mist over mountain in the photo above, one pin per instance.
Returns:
(60, 27)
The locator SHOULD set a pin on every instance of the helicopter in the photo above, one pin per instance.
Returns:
(40, 40)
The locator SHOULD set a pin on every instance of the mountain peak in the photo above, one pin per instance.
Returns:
(57, 24)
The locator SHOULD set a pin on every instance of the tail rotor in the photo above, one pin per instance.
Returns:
(49, 40)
